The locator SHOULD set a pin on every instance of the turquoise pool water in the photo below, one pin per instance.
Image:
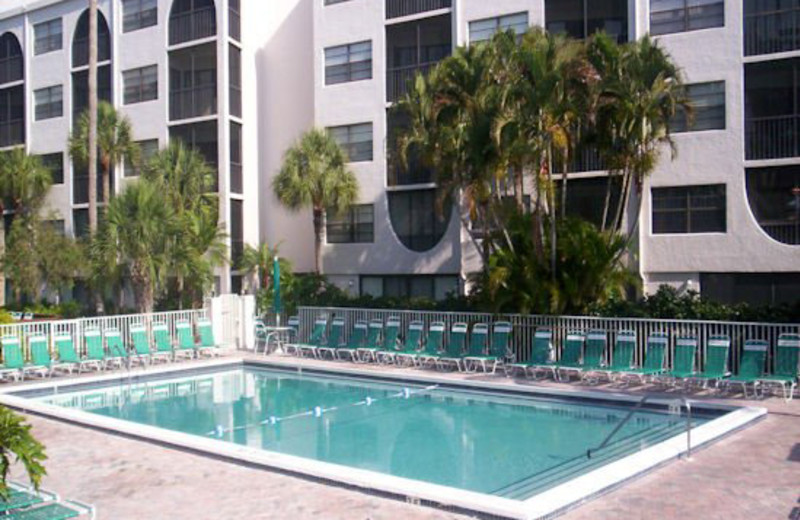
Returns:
(514, 447)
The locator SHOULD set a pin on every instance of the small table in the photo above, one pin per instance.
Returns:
(279, 335)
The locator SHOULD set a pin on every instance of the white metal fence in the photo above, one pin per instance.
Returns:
(77, 327)
(525, 326)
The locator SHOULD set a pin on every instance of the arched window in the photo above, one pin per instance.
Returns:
(415, 220)
(10, 59)
(192, 20)
(774, 197)
(80, 41)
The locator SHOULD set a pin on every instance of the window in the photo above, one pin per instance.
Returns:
(48, 36)
(54, 162)
(12, 116)
(586, 198)
(140, 84)
(138, 14)
(11, 67)
(355, 225)
(236, 158)
(415, 219)
(689, 209)
(673, 16)
(582, 18)
(345, 63)
(482, 30)
(80, 41)
(49, 102)
(237, 232)
(432, 287)
(235, 80)
(774, 197)
(770, 26)
(708, 102)
(203, 138)
(80, 223)
(193, 82)
(147, 149)
(753, 288)
(235, 20)
(355, 140)
(80, 89)
(192, 20)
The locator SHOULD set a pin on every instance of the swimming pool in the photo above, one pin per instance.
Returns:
(480, 448)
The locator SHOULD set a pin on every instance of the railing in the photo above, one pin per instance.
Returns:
(398, 79)
(193, 102)
(586, 160)
(784, 232)
(12, 132)
(398, 8)
(192, 25)
(775, 31)
(76, 328)
(80, 50)
(416, 173)
(772, 137)
(525, 327)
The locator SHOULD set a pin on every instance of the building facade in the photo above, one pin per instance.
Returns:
(240, 80)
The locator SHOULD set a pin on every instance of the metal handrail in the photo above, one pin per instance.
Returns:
(685, 402)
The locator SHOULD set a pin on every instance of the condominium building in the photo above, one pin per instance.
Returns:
(241, 80)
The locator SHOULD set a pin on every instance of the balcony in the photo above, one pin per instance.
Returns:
(415, 47)
(586, 160)
(398, 8)
(768, 32)
(192, 25)
(772, 137)
(399, 80)
(12, 132)
(783, 232)
(416, 173)
(193, 102)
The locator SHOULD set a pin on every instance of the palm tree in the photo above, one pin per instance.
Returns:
(91, 137)
(24, 183)
(184, 175)
(315, 174)
(115, 143)
(137, 233)
(259, 262)
(17, 441)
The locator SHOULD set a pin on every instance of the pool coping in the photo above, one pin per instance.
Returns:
(547, 504)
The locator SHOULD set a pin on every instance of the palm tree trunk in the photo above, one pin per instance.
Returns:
(92, 116)
(106, 183)
(142, 290)
(319, 229)
(607, 204)
(519, 189)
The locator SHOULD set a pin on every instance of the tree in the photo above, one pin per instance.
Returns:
(115, 143)
(315, 175)
(137, 233)
(260, 262)
(17, 441)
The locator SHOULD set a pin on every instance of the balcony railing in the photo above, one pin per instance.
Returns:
(192, 25)
(398, 8)
(416, 173)
(775, 31)
(12, 133)
(399, 79)
(586, 160)
(784, 232)
(772, 137)
(193, 102)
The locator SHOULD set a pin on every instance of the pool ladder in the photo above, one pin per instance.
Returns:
(684, 403)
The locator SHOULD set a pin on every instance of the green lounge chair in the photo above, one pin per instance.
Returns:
(654, 357)
(372, 344)
(541, 355)
(208, 345)
(390, 341)
(292, 346)
(333, 340)
(594, 354)
(433, 345)
(185, 347)
(715, 367)
(355, 342)
(683, 363)
(13, 362)
(477, 347)
(68, 358)
(141, 344)
(117, 353)
(571, 361)
(410, 352)
(18, 499)
(163, 343)
(41, 363)
(786, 366)
(95, 352)
(751, 366)
(622, 355)
(498, 349)
(316, 339)
(454, 353)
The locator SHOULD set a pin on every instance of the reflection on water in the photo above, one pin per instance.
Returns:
(511, 447)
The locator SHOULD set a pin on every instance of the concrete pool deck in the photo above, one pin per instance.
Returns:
(752, 474)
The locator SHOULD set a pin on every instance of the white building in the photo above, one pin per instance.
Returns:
(240, 80)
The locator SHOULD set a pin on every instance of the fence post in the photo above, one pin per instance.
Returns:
(248, 325)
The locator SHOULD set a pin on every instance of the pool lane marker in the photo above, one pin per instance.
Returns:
(318, 411)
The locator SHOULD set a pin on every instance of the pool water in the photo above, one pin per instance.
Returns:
(508, 446)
